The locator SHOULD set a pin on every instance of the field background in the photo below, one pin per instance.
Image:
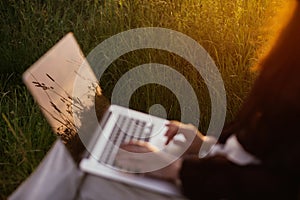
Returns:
(235, 33)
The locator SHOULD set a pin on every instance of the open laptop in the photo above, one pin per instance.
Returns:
(51, 81)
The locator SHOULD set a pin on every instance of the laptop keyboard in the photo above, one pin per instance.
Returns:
(125, 129)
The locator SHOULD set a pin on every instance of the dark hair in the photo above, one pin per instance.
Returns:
(268, 124)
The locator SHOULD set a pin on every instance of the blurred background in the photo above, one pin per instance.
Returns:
(236, 33)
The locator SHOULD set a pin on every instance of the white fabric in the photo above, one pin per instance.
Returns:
(57, 177)
(99, 188)
(234, 152)
(207, 145)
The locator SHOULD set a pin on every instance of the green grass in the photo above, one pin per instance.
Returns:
(25, 135)
(233, 32)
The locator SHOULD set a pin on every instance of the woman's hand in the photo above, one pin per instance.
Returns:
(139, 147)
(136, 157)
(190, 132)
(158, 164)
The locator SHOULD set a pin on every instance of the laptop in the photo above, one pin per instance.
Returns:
(51, 81)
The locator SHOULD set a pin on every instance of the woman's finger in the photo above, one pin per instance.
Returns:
(173, 128)
(170, 135)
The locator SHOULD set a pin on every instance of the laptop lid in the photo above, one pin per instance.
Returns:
(51, 81)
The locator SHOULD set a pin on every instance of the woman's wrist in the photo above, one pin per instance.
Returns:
(177, 168)
(170, 172)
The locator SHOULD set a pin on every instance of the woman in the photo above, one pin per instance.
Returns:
(257, 156)
(266, 131)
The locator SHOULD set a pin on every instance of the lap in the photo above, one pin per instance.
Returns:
(95, 187)
(58, 177)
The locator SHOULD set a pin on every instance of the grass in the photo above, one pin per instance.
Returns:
(233, 32)
(24, 137)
